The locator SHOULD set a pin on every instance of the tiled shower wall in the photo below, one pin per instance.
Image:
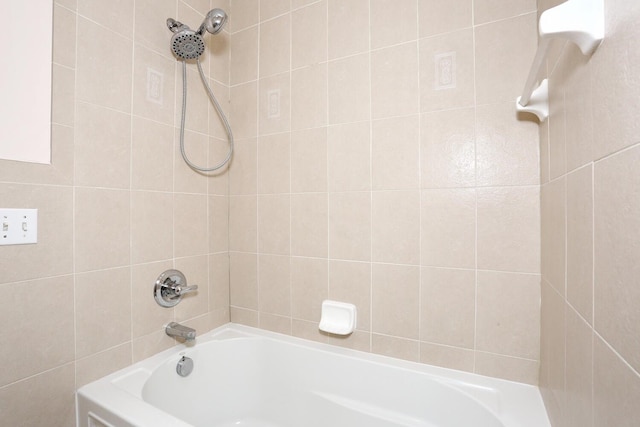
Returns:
(590, 363)
(380, 162)
(116, 208)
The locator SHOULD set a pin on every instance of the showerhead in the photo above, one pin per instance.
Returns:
(189, 44)
(213, 22)
(185, 43)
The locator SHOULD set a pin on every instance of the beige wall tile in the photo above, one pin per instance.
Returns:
(506, 149)
(358, 340)
(218, 181)
(493, 10)
(275, 323)
(616, 249)
(348, 27)
(309, 225)
(274, 280)
(51, 397)
(447, 149)
(151, 155)
(190, 225)
(102, 298)
(219, 53)
(509, 368)
(53, 255)
(350, 226)
(580, 241)
(448, 228)
(43, 331)
(438, 90)
(399, 348)
(148, 345)
(145, 63)
(243, 64)
(308, 331)
(508, 317)
(151, 226)
(443, 16)
(500, 73)
(147, 316)
(275, 42)
(99, 365)
(613, 94)
(274, 163)
(218, 224)
(102, 147)
(351, 282)
(309, 160)
(616, 388)
(104, 67)
(395, 226)
(544, 152)
(243, 172)
(272, 119)
(349, 79)
(245, 317)
(150, 26)
(243, 275)
(272, 8)
(552, 350)
(579, 374)
(309, 287)
(243, 13)
(508, 229)
(395, 153)
(115, 15)
(395, 300)
(243, 223)
(309, 35)
(578, 109)
(244, 110)
(102, 228)
(448, 308)
(447, 357)
(554, 233)
(197, 119)
(309, 97)
(394, 81)
(64, 36)
(63, 93)
(196, 271)
(219, 282)
(557, 127)
(274, 224)
(405, 24)
(349, 157)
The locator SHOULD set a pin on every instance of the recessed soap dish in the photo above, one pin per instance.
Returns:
(338, 317)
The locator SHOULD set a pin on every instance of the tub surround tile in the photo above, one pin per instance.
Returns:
(554, 233)
(275, 40)
(443, 16)
(309, 225)
(309, 279)
(395, 153)
(274, 165)
(350, 226)
(358, 340)
(244, 174)
(190, 225)
(509, 368)
(351, 282)
(349, 157)
(243, 274)
(196, 271)
(394, 81)
(44, 333)
(274, 276)
(274, 224)
(309, 160)
(395, 300)
(51, 399)
(309, 35)
(447, 357)
(493, 10)
(399, 348)
(102, 298)
(395, 227)
(146, 315)
(150, 240)
(98, 365)
(348, 27)
(275, 323)
(244, 61)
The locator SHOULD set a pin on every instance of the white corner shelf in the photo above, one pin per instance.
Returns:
(579, 21)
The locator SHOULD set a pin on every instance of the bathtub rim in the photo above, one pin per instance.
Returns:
(123, 389)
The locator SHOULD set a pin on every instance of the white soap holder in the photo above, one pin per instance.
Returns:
(338, 317)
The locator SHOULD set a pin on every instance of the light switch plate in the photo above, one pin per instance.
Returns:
(18, 226)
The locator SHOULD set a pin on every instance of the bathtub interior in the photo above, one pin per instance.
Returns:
(253, 378)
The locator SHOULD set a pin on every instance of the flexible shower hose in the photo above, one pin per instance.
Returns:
(214, 101)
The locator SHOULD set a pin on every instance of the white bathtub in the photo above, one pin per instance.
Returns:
(248, 377)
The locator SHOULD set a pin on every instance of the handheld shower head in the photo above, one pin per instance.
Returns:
(213, 22)
(185, 43)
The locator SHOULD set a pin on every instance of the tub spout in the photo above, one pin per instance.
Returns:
(177, 330)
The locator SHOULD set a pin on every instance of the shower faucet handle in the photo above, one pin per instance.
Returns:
(170, 287)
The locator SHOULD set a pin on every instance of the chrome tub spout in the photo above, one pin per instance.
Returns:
(177, 330)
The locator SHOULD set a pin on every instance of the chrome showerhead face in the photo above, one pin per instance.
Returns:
(187, 44)
(214, 21)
